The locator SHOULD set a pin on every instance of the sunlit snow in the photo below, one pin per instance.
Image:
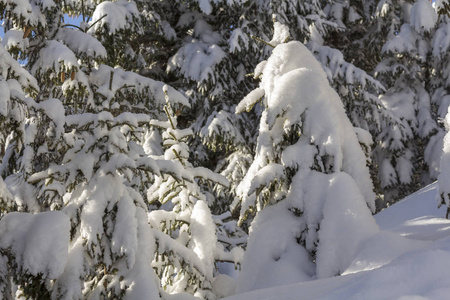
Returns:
(408, 259)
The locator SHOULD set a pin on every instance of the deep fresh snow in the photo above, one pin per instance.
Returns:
(408, 259)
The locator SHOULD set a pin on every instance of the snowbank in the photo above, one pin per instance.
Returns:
(408, 259)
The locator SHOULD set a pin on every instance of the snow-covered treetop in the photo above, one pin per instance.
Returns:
(298, 98)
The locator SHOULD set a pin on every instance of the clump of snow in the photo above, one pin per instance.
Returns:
(141, 279)
(10, 65)
(13, 38)
(280, 34)
(250, 100)
(196, 60)
(203, 236)
(200, 54)
(422, 16)
(55, 56)
(346, 224)
(115, 16)
(205, 6)
(315, 215)
(81, 43)
(403, 42)
(107, 86)
(273, 256)
(223, 286)
(37, 242)
(238, 40)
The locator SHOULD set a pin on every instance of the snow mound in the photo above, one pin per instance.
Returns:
(37, 242)
(408, 259)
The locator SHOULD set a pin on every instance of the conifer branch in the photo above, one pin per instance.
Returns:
(111, 77)
(179, 157)
(169, 117)
(104, 16)
(78, 27)
(262, 41)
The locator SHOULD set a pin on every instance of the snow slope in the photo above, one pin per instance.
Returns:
(408, 259)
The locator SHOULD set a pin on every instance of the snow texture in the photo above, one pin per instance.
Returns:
(56, 57)
(10, 65)
(423, 16)
(203, 236)
(273, 256)
(346, 224)
(37, 242)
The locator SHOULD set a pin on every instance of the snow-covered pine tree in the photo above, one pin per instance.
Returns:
(81, 151)
(324, 27)
(204, 59)
(37, 35)
(219, 35)
(104, 174)
(440, 81)
(33, 121)
(406, 149)
(440, 93)
(308, 173)
(184, 229)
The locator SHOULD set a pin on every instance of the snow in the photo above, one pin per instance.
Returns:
(55, 56)
(37, 242)
(403, 42)
(196, 60)
(101, 77)
(115, 16)
(14, 38)
(422, 16)
(9, 64)
(80, 42)
(280, 34)
(237, 36)
(141, 278)
(263, 177)
(4, 97)
(205, 6)
(203, 236)
(346, 224)
(273, 256)
(250, 100)
(200, 54)
(409, 258)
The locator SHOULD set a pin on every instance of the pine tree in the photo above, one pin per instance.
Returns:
(440, 97)
(78, 147)
(292, 184)
(412, 131)
(187, 243)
